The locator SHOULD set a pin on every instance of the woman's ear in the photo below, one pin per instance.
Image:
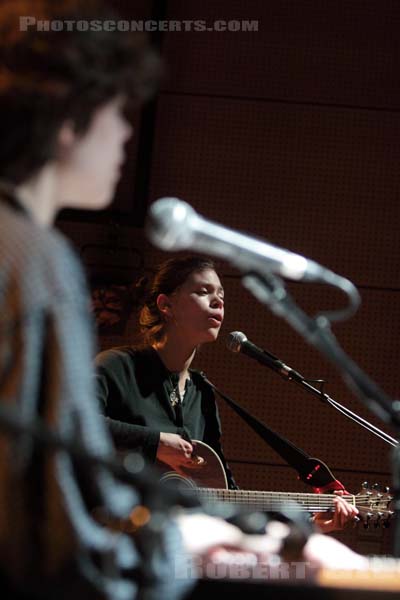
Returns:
(66, 138)
(164, 305)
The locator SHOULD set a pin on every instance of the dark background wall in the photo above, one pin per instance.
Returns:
(290, 133)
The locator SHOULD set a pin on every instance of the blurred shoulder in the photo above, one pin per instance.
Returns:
(38, 261)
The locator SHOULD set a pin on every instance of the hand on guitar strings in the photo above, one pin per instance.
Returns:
(345, 514)
(172, 444)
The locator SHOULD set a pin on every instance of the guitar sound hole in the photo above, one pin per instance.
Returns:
(174, 478)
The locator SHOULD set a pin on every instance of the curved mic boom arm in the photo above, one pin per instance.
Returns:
(317, 332)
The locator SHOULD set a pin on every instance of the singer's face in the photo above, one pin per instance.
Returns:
(89, 165)
(197, 308)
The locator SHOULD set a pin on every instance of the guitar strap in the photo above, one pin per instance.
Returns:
(311, 471)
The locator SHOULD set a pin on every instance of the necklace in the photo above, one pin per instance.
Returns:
(175, 397)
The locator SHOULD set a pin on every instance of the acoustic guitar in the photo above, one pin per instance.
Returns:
(205, 475)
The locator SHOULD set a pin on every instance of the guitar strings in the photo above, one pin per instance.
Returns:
(323, 501)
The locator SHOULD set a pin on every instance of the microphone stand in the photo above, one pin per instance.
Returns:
(289, 374)
(270, 290)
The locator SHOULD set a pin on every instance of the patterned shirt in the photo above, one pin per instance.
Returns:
(49, 541)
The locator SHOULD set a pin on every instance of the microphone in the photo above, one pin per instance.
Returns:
(238, 342)
(174, 225)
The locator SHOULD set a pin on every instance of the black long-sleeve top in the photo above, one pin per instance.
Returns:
(134, 390)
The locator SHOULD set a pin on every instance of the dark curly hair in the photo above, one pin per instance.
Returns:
(169, 276)
(49, 77)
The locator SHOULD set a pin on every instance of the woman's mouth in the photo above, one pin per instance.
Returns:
(215, 320)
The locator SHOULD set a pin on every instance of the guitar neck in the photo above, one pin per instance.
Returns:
(273, 501)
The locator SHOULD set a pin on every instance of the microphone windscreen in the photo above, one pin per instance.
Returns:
(235, 341)
(167, 223)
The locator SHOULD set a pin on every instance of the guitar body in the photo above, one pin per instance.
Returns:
(203, 469)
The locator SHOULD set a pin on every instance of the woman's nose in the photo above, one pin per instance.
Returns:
(217, 302)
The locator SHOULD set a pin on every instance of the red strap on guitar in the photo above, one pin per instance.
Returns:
(312, 471)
